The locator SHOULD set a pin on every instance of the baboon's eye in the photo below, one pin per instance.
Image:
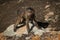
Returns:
(49, 17)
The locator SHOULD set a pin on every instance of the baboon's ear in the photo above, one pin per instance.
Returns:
(19, 11)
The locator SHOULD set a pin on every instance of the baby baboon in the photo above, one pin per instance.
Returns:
(27, 16)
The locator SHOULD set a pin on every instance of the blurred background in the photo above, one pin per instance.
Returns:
(45, 11)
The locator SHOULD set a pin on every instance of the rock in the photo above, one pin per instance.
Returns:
(9, 31)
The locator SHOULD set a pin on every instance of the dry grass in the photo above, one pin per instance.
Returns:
(36, 37)
(53, 35)
(2, 37)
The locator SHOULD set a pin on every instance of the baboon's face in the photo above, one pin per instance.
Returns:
(28, 13)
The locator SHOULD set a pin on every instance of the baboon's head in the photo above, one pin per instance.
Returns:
(29, 11)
